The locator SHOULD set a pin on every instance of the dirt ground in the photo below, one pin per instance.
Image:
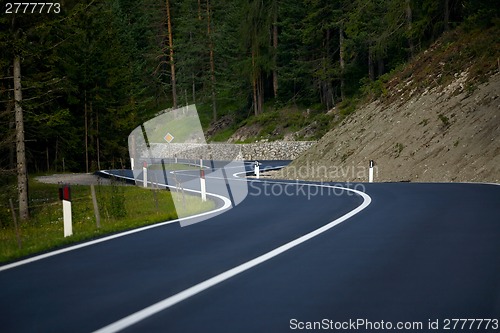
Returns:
(74, 179)
(445, 134)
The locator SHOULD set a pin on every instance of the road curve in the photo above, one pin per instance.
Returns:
(417, 253)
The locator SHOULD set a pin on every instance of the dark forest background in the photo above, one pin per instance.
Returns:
(93, 72)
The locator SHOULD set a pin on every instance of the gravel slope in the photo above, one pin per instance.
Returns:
(445, 134)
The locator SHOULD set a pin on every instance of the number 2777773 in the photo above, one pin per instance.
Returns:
(32, 7)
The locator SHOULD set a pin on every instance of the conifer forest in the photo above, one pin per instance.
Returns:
(78, 77)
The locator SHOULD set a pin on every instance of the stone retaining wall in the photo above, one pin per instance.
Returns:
(276, 150)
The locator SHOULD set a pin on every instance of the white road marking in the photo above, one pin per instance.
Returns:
(200, 287)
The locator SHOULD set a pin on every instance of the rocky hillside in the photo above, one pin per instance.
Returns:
(438, 120)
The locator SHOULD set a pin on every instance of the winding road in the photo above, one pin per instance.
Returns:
(291, 256)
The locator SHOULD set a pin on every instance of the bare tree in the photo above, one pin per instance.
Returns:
(409, 27)
(342, 61)
(22, 175)
(171, 56)
(212, 63)
(446, 15)
(275, 48)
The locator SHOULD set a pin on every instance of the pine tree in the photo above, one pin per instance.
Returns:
(292, 55)
(14, 40)
(170, 39)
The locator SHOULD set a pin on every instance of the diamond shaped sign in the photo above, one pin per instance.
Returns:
(169, 137)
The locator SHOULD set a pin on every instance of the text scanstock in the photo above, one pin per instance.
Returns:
(354, 324)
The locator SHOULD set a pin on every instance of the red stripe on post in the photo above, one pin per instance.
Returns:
(66, 193)
(202, 174)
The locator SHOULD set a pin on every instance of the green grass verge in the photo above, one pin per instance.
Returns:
(223, 135)
(121, 208)
(174, 167)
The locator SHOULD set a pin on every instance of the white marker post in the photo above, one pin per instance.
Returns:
(145, 174)
(65, 196)
(256, 169)
(201, 162)
(132, 152)
(370, 172)
(203, 186)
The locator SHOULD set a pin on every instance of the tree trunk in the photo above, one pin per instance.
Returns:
(212, 63)
(380, 67)
(328, 99)
(193, 88)
(254, 85)
(22, 174)
(254, 96)
(171, 56)
(47, 155)
(92, 164)
(86, 134)
(260, 94)
(97, 140)
(446, 15)
(409, 27)
(371, 69)
(342, 62)
(275, 55)
(10, 140)
(56, 155)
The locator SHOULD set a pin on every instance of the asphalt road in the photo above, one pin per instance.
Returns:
(418, 253)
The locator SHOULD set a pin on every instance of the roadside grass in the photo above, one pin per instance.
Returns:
(223, 135)
(121, 208)
(174, 167)
(274, 124)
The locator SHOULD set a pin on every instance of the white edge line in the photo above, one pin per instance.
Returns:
(227, 204)
(183, 295)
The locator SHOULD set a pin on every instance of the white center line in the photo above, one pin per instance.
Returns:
(200, 287)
